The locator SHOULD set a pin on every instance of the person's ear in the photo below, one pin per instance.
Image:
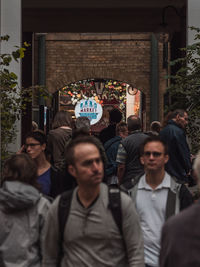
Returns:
(71, 170)
(166, 158)
(177, 117)
(43, 147)
(142, 160)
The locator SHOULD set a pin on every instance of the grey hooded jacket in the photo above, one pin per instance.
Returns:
(22, 215)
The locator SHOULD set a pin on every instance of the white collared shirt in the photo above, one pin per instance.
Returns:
(151, 208)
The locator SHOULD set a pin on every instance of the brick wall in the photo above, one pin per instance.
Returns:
(126, 57)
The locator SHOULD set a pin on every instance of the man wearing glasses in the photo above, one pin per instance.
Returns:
(157, 196)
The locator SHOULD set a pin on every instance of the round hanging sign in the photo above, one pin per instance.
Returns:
(89, 108)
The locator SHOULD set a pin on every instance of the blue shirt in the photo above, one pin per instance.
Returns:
(45, 181)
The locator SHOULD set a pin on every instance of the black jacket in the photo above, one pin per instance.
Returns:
(61, 181)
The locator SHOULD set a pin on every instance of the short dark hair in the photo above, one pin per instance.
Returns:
(87, 139)
(155, 126)
(176, 112)
(80, 132)
(115, 115)
(153, 138)
(20, 167)
(121, 127)
(62, 118)
(38, 135)
(82, 122)
(134, 123)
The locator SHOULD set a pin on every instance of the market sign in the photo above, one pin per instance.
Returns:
(89, 108)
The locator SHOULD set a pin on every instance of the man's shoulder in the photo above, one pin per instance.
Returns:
(108, 129)
(107, 133)
(171, 128)
(112, 141)
(135, 137)
(123, 194)
(58, 133)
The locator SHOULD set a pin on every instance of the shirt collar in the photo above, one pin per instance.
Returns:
(165, 183)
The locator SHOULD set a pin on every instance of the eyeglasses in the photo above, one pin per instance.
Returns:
(31, 145)
(155, 154)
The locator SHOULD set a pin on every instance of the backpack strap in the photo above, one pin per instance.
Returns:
(114, 197)
(63, 214)
(171, 204)
(173, 198)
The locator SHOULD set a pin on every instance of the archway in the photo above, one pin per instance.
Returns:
(108, 93)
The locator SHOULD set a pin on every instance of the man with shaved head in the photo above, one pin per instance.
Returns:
(128, 156)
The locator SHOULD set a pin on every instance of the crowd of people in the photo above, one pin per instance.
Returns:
(123, 199)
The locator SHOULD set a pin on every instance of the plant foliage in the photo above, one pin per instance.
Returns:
(184, 90)
(13, 99)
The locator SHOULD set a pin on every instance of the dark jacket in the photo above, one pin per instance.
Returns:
(61, 180)
(180, 240)
(179, 163)
(107, 133)
(132, 146)
(57, 140)
(111, 148)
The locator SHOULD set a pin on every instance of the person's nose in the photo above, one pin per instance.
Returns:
(151, 156)
(28, 148)
(95, 166)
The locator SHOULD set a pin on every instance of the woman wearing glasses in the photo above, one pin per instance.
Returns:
(49, 178)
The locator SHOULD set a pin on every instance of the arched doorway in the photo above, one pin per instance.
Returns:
(108, 93)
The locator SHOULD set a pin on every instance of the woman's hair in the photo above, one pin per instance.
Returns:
(38, 135)
(62, 118)
(20, 167)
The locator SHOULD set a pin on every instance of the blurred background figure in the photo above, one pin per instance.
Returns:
(128, 154)
(111, 148)
(59, 137)
(115, 116)
(83, 123)
(22, 211)
(34, 126)
(167, 117)
(155, 128)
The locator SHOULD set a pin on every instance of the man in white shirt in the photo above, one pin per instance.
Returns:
(157, 196)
